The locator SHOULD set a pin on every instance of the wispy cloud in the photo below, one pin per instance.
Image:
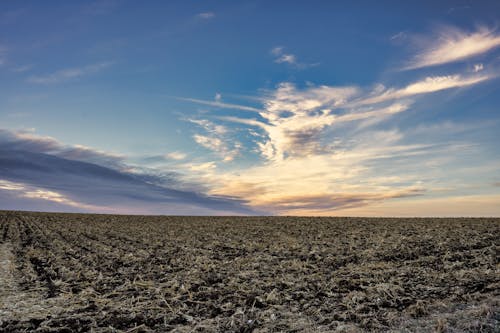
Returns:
(33, 192)
(312, 204)
(69, 73)
(399, 36)
(428, 85)
(219, 104)
(217, 145)
(176, 155)
(215, 140)
(453, 44)
(281, 57)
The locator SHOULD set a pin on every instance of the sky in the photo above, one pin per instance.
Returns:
(328, 108)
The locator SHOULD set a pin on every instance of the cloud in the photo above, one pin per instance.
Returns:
(216, 141)
(69, 73)
(324, 149)
(479, 205)
(218, 97)
(293, 122)
(206, 15)
(478, 68)
(399, 36)
(208, 142)
(219, 104)
(317, 183)
(20, 196)
(29, 141)
(31, 179)
(176, 155)
(210, 127)
(314, 204)
(282, 57)
(453, 44)
(428, 85)
(288, 58)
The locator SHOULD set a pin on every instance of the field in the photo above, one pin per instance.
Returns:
(105, 273)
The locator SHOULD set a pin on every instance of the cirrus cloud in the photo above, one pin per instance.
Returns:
(453, 44)
(68, 73)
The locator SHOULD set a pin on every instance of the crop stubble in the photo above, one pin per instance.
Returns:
(104, 273)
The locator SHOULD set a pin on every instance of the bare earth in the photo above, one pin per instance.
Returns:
(105, 273)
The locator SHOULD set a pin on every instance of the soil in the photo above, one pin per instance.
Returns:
(110, 273)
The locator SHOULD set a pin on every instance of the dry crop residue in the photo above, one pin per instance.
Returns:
(105, 273)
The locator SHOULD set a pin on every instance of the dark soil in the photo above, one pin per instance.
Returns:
(105, 273)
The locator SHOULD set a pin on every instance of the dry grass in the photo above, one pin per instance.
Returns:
(102, 273)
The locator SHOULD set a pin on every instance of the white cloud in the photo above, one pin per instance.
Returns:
(216, 140)
(428, 85)
(210, 127)
(288, 58)
(68, 74)
(176, 155)
(221, 105)
(454, 45)
(208, 142)
(205, 167)
(277, 51)
(10, 186)
(478, 67)
(33, 192)
(399, 36)
(437, 83)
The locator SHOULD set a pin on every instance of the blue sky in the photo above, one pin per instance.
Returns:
(250, 107)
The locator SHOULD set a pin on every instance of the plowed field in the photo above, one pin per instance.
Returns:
(105, 273)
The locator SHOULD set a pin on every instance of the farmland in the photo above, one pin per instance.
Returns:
(107, 273)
